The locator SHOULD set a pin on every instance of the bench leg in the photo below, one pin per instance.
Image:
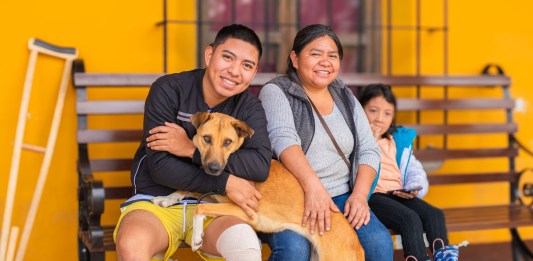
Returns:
(85, 255)
(520, 250)
(83, 252)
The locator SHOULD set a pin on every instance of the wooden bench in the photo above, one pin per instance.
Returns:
(430, 104)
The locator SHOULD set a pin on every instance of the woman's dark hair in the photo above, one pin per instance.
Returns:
(307, 35)
(241, 32)
(365, 94)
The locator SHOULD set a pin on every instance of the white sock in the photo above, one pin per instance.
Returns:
(239, 243)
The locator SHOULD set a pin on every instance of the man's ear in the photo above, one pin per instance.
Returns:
(243, 130)
(208, 54)
(200, 118)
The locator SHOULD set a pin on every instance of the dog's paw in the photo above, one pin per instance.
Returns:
(163, 201)
(197, 232)
(167, 201)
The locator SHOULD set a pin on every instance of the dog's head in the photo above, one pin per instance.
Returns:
(217, 136)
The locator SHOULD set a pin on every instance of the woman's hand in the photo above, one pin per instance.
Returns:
(357, 211)
(318, 204)
(171, 138)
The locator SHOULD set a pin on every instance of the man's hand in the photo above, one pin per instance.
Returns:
(318, 203)
(171, 138)
(243, 193)
(356, 210)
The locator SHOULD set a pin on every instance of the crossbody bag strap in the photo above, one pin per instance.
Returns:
(329, 132)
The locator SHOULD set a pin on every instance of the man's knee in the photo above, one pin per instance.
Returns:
(131, 248)
(139, 236)
(239, 242)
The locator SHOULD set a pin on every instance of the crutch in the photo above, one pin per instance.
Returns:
(69, 54)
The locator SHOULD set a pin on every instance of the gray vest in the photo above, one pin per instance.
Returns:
(303, 112)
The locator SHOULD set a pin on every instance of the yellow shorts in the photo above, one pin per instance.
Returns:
(173, 220)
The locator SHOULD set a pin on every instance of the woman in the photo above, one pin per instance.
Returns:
(302, 144)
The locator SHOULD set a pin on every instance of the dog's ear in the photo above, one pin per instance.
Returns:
(242, 129)
(200, 118)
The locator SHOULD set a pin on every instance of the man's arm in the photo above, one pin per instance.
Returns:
(167, 169)
(252, 160)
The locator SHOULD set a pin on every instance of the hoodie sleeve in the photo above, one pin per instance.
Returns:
(416, 176)
(281, 128)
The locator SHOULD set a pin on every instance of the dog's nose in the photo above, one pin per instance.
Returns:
(213, 167)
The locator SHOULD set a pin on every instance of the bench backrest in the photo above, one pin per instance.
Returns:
(432, 105)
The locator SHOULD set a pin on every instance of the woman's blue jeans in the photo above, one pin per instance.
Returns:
(290, 246)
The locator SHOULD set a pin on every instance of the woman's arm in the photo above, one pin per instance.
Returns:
(356, 209)
(369, 153)
(318, 201)
(286, 147)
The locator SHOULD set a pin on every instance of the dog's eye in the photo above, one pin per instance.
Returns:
(227, 142)
(207, 139)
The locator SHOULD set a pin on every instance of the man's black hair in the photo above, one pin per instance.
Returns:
(241, 32)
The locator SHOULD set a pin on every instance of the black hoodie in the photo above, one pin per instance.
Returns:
(174, 98)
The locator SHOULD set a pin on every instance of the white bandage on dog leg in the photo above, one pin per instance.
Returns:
(239, 243)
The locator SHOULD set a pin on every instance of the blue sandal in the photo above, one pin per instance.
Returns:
(447, 253)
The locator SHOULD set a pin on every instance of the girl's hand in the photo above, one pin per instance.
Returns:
(406, 195)
(376, 131)
(356, 210)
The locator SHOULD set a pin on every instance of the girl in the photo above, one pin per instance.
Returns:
(402, 183)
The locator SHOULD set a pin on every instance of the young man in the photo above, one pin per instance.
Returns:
(167, 160)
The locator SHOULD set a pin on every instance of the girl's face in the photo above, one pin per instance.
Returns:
(380, 114)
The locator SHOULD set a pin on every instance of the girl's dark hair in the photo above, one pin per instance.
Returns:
(241, 32)
(307, 35)
(365, 94)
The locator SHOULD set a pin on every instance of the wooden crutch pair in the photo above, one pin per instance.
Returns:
(69, 54)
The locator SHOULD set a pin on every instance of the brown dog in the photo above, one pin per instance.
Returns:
(282, 204)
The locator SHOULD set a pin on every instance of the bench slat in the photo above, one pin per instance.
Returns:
(115, 79)
(454, 104)
(411, 80)
(137, 106)
(429, 129)
(118, 192)
(97, 136)
(460, 178)
(440, 154)
(351, 79)
(100, 165)
(439, 179)
(110, 107)
(457, 219)
(487, 217)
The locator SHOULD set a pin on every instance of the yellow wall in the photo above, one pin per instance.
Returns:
(480, 32)
(111, 36)
(121, 36)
